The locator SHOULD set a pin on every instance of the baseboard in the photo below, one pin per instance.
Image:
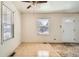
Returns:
(51, 42)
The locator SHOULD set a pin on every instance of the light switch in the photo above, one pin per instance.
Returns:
(60, 26)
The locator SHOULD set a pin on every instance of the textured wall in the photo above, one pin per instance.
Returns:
(29, 28)
(9, 46)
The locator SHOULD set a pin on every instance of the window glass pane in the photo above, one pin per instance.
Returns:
(7, 23)
(43, 26)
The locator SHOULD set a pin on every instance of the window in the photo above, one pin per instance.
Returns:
(7, 23)
(43, 26)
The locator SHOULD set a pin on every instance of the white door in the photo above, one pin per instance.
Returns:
(76, 30)
(68, 30)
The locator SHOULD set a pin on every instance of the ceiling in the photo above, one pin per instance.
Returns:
(49, 7)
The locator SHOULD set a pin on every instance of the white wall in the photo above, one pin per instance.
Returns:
(0, 22)
(9, 46)
(29, 28)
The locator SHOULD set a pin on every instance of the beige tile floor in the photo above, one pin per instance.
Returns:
(55, 50)
(31, 50)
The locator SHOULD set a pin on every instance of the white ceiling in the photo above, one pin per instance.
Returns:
(49, 7)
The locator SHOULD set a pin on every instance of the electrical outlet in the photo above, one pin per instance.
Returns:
(54, 38)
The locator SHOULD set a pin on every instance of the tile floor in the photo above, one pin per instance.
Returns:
(55, 50)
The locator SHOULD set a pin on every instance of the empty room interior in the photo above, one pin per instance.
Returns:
(39, 28)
